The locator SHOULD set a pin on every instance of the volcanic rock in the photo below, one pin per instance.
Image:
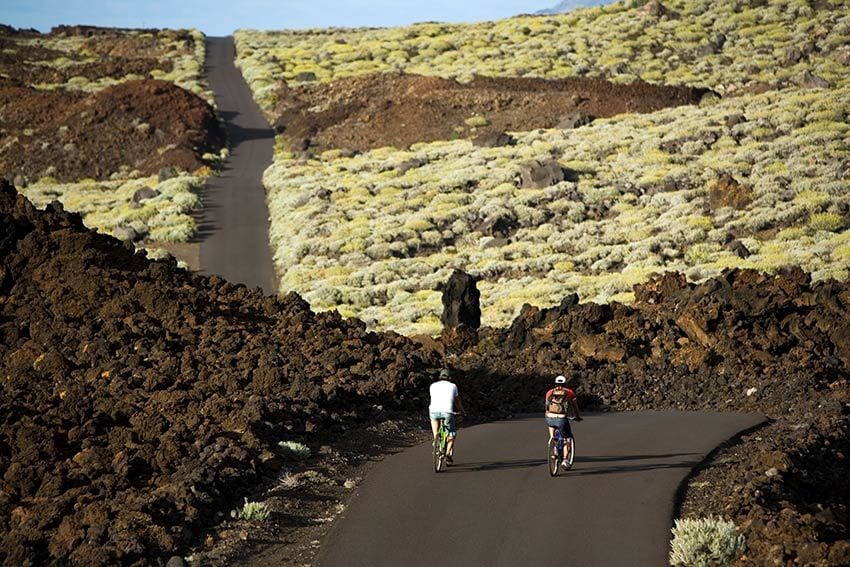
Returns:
(542, 174)
(139, 400)
(725, 191)
(460, 302)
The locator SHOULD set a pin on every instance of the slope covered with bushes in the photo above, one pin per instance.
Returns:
(754, 178)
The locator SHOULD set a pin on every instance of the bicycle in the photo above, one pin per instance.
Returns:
(441, 442)
(556, 450)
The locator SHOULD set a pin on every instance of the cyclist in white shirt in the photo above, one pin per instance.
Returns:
(445, 405)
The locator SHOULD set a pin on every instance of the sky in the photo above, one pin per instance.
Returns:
(221, 17)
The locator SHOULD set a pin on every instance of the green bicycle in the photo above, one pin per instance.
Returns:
(441, 442)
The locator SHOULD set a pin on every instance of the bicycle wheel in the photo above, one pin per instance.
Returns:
(440, 450)
(554, 458)
(571, 448)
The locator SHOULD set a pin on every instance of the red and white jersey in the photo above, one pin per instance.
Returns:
(571, 395)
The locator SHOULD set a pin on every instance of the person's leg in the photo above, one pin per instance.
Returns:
(452, 430)
(566, 433)
(551, 433)
(435, 425)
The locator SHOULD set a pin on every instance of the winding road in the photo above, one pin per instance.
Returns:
(498, 506)
(234, 230)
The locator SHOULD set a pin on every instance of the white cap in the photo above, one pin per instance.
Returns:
(560, 379)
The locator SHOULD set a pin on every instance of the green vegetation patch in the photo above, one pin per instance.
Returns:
(375, 239)
(109, 207)
(700, 43)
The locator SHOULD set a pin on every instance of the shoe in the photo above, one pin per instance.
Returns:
(449, 459)
(565, 464)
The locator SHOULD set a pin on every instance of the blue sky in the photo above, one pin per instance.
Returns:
(221, 17)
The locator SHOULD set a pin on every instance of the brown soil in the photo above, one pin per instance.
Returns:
(367, 112)
(138, 125)
(141, 403)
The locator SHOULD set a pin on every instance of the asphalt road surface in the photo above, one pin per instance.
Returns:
(234, 229)
(498, 506)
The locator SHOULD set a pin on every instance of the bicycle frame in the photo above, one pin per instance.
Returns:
(440, 446)
(556, 452)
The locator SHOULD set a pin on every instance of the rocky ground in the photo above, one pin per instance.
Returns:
(141, 126)
(745, 341)
(139, 401)
(362, 113)
(141, 404)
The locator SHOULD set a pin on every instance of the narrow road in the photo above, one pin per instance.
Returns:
(234, 229)
(498, 506)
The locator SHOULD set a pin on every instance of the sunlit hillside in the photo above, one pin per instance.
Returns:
(755, 176)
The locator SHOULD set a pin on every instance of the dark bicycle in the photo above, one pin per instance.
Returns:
(556, 450)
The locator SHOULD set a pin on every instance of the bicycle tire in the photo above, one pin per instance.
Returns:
(572, 445)
(554, 458)
(440, 449)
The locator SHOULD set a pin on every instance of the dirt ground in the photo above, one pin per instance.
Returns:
(138, 125)
(362, 113)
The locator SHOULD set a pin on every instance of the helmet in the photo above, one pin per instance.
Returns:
(444, 373)
(560, 379)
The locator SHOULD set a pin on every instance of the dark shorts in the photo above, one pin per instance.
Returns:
(560, 423)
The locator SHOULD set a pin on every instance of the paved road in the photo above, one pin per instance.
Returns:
(234, 230)
(498, 506)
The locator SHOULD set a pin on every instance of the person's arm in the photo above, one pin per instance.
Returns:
(458, 405)
(575, 408)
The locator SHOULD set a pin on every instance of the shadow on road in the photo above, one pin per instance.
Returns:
(495, 465)
(579, 470)
(238, 134)
(614, 458)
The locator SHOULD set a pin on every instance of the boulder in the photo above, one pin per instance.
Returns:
(541, 174)
(738, 248)
(144, 193)
(574, 119)
(493, 139)
(808, 80)
(460, 301)
(125, 233)
(725, 191)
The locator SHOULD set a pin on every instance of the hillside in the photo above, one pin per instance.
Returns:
(753, 177)
(115, 124)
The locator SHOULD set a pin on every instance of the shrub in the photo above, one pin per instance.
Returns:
(295, 450)
(254, 511)
(705, 541)
(476, 121)
(829, 222)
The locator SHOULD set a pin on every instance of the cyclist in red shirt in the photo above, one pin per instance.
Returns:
(560, 402)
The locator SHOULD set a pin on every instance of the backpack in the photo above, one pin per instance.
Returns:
(558, 401)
